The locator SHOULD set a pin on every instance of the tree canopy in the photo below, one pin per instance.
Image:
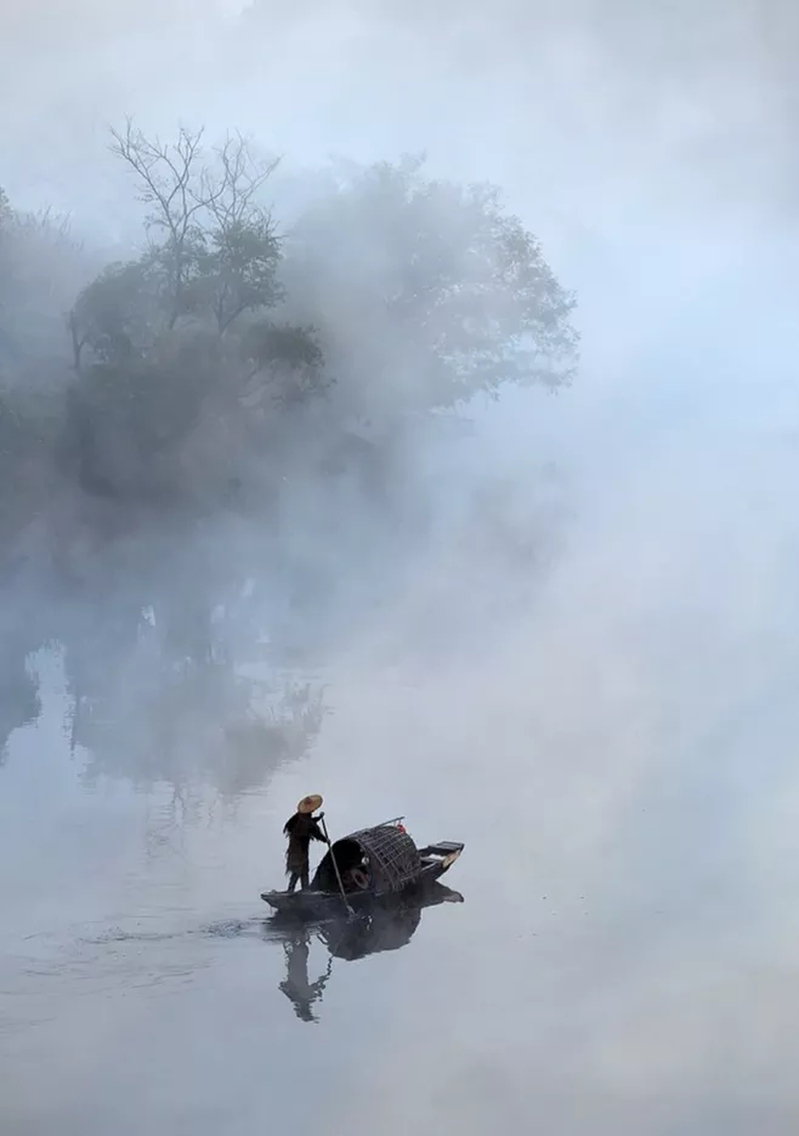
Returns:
(426, 292)
(391, 294)
(229, 353)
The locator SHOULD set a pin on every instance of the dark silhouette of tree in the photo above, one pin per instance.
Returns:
(415, 293)
(180, 341)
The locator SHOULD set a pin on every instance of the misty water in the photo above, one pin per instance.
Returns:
(611, 739)
(566, 634)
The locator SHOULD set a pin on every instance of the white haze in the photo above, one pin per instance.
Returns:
(616, 732)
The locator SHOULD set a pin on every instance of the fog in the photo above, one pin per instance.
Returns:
(560, 626)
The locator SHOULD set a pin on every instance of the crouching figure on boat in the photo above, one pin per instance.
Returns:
(301, 829)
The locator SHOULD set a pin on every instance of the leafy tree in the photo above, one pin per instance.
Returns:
(426, 292)
(181, 337)
(415, 293)
(41, 265)
(216, 258)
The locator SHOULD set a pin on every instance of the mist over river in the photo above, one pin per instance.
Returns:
(476, 506)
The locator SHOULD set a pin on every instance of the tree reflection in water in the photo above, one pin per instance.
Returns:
(20, 704)
(158, 692)
(201, 725)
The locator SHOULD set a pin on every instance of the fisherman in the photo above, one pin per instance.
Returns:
(301, 829)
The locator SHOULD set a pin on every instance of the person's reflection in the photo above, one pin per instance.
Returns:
(297, 986)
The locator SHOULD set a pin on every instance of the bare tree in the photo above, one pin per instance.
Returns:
(170, 182)
(245, 250)
(231, 193)
(220, 245)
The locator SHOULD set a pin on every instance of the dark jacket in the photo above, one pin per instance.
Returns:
(301, 829)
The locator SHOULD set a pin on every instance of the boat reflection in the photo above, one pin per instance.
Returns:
(385, 926)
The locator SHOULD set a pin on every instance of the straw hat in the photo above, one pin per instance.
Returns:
(310, 804)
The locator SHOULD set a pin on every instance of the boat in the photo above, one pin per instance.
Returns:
(373, 864)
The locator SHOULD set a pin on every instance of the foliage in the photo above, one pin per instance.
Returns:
(218, 253)
(182, 333)
(430, 288)
(41, 264)
(393, 293)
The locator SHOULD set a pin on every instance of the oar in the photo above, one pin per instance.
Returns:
(335, 865)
